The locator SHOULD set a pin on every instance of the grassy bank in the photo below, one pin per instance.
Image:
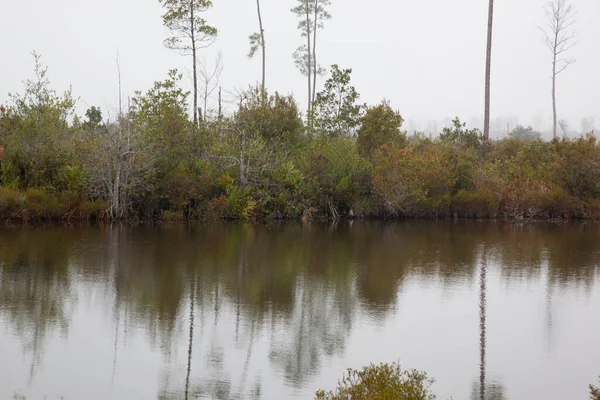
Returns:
(328, 178)
(266, 161)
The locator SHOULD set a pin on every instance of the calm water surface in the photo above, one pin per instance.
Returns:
(490, 310)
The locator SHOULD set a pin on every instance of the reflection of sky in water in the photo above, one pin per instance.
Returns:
(280, 312)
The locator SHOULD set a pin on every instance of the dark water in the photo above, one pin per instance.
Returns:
(491, 311)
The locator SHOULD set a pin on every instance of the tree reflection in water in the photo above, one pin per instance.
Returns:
(227, 305)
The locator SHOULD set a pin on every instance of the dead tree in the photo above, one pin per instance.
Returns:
(560, 38)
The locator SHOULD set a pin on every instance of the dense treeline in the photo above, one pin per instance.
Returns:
(266, 161)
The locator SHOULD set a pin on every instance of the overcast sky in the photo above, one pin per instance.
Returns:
(426, 56)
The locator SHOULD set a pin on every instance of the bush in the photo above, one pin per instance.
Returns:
(579, 167)
(415, 180)
(381, 382)
(336, 175)
(481, 204)
(172, 216)
(40, 205)
(594, 393)
(93, 209)
(11, 201)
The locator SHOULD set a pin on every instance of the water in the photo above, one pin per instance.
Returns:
(490, 310)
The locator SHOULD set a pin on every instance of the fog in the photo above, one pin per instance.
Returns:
(427, 57)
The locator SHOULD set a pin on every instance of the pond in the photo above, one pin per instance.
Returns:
(490, 310)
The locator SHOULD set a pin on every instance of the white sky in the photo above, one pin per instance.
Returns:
(426, 56)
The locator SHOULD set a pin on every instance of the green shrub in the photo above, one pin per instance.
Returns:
(591, 209)
(556, 203)
(40, 205)
(594, 393)
(336, 175)
(172, 216)
(578, 167)
(481, 204)
(381, 382)
(93, 209)
(11, 201)
(215, 209)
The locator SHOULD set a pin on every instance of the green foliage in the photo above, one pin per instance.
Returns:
(260, 163)
(184, 19)
(380, 125)
(161, 113)
(412, 178)
(96, 209)
(255, 44)
(11, 202)
(578, 166)
(381, 382)
(239, 203)
(460, 136)
(336, 175)
(275, 119)
(172, 216)
(526, 134)
(594, 393)
(37, 138)
(94, 117)
(39, 204)
(335, 111)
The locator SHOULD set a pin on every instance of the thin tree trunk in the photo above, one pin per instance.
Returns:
(205, 100)
(262, 45)
(220, 112)
(120, 92)
(314, 51)
(554, 117)
(243, 178)
(488, 71)
(194, 64)
(309, 65)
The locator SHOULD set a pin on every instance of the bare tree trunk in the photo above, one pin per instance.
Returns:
(220, 112)
(262, 45)
(560, 38)
(243, 177)
(309, 55)
(120, 92)
(195, 62)
(314, 51)
(205, 99)
(488, 71)
(554, 116)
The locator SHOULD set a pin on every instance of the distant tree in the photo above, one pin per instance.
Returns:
(94, 117)
(210, 82)
(320, 14)
(258, 40)
(587, 125)
(488, 71)
(159, 115)
(275, 119)
(39, 142)
(460, 136)
(118, 164)
(560, 38)
(190, 33)
(335, 111)
(311, 14)
(380, 125)
(526, 134)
